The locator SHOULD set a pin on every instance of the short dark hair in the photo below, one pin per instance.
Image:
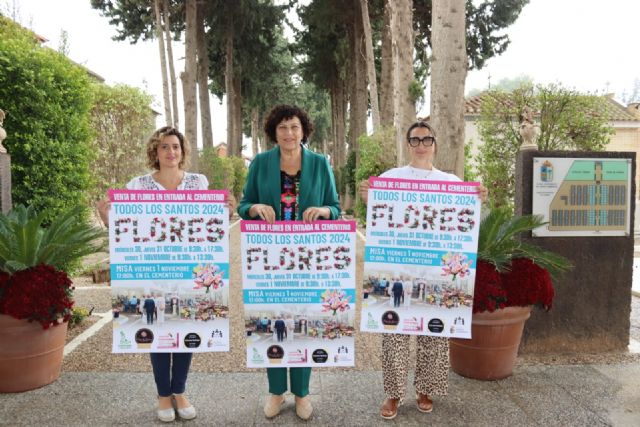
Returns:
(286, 112)
(420, 124)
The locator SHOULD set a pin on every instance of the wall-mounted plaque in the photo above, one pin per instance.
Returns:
(582, 197)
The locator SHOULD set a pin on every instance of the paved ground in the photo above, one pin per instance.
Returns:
(98, 388)
(564, 395)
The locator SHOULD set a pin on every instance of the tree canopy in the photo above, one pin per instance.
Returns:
(568, 120)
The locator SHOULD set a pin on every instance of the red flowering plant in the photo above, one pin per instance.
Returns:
(509, 272)
(33, 258)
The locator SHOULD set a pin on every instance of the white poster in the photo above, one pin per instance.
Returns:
(420, 257)
(299, 293)
(169, 255)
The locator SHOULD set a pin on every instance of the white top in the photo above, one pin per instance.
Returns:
(409, 172)
(190, 181)
(407, 286)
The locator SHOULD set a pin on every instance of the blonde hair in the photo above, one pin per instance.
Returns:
(155, 139)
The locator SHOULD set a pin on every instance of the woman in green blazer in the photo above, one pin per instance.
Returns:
(289, 183)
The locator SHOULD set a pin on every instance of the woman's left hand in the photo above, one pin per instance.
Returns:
(483, 192)
(313, 214)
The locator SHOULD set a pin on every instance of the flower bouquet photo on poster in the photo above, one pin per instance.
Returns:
(170, 271)
(420, 257)
(299, 293)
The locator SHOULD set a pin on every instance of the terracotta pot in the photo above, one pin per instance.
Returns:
(491, 352)
(30, 356)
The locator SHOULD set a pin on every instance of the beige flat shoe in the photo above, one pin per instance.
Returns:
(273, 406)
(166, 415)
(304, 410)
(186, 413)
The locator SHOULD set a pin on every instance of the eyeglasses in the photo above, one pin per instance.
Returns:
(427, 141)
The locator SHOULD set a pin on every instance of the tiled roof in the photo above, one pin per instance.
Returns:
(614, 110)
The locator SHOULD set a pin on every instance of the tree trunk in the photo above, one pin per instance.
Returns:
(448, 73)
(255, 130)
(231, 86)
(172, 68)
(203, 79)
(163, 65)
(386, 70)
(189, 83)
(237, 111)
(358, 90)
(338, 121)
(371, 67)
(402, 55)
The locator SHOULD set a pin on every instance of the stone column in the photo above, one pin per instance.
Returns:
(5, 171)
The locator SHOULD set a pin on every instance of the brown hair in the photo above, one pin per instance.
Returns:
(285, 112)
(155, 139)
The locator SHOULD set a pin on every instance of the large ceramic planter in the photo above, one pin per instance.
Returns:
(491, 352)
(30, 356)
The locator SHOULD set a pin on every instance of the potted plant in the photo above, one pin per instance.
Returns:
(511, 277)
(36, 293)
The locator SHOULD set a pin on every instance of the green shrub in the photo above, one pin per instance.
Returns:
(229, 173)
(122, 120)
(47, 100)
(240, 175)
(377, 154)
(78, 315)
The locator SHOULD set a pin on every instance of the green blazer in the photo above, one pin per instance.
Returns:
(317, 186)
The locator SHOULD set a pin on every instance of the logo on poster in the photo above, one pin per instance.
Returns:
(546, 171)
(343, 355)
(192, 340)
(319, 356)
(275, 353)
(216, 339)
(169, 341)
(436, 326)
(371, 322)
(298, 356)
(413, 324)
(144, 338)
(390, 320)
(256, 357)
(124, 342)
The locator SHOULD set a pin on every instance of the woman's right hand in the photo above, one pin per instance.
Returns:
(103, 207)
(264, 212)
(363, 188)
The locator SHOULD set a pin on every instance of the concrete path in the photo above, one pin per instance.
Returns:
(596, 395)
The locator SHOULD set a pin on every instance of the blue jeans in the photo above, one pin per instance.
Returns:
(171, 378)
(149, 317)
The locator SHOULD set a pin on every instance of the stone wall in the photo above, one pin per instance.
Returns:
(592, 307)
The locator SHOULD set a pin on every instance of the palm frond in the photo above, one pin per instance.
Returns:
(24, 242)
(499, 242)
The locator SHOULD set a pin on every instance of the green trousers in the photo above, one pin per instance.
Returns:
(299, 378)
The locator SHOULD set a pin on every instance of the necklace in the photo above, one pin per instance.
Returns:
(420, 173)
